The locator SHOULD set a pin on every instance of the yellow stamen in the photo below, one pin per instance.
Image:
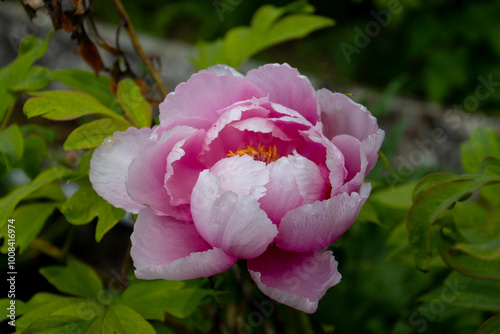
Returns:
(263, 153)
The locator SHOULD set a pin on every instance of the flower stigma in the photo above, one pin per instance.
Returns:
(263, 153)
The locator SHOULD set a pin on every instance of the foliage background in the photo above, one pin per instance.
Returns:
(430, 51)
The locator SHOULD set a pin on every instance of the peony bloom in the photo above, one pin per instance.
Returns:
(259, 167)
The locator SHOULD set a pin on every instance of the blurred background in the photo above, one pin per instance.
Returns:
(417, 65)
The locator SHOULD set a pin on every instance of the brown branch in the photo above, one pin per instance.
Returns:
(139, 50)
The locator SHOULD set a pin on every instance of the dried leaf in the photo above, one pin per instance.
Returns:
(89, 53)
(66, 23)
(80, 9)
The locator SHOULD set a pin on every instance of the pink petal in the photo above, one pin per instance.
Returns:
(229, 221)
(371, 146)
(202, 96)
(355, 162)
(360, 158)
(262, 125)
(183, 168)
(341, 115)
(146, 176)
(242, 175)
(109, 165)
(298, 280)
(334, 157)
(315, 226)
(293, 181)
(163, 247)
(286, 86)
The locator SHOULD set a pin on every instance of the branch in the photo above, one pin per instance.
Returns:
(138, 48)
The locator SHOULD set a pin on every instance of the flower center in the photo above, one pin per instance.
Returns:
(263, 153)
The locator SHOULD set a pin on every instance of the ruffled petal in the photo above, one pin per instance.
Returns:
(202, 96)
(109, 165)
(242, 175)
(286, 86)
(315, 226)
(298, 280)
(359, 158)
(234, 223)
(163, 247)
(146, 177)
(334, 158)
(355, 162)
(371, 146)
(341, 115)
(293, 181)
(183, 168)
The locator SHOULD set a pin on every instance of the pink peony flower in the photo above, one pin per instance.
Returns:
(259, 167)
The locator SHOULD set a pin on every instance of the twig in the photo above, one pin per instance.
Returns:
(306, 325)
(67, 242)
(47, 248)
(126, 263)
(138, 48)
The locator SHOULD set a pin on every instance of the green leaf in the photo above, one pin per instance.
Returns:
(34, 149)
(368, 213)
(399, 197)
(43, 305)
(9, 202)
(49, 313)
(7, 98)
(482, 143)
(51, 191)
(37, 78)
(91, 135)
(76, 279)
(460, 261)
(133, 103)
(5, 303)
(209, 53)
(88, 82)
(63, 105)
(463, 291)
(270, 26)
(432, 180)
(490, 326)
(48, 134)
(30, 49)
(84, 205)
(29, 220)
(489, 250)
(58, 324)
(152, 299)
(429, 205)
(122, 319)
(11, 146)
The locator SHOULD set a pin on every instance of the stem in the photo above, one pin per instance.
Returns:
(67, 243)
(306, 325)
(138, 48)
(126, 263)
(10, 109)
(47, 248)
